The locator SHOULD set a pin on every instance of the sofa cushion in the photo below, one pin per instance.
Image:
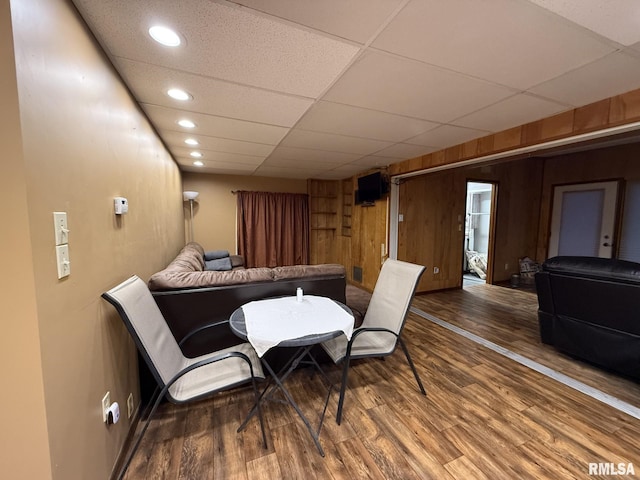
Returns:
(190, 259)
(593, 267)
(218, 264)
(303, 271)
(174, 279)
(184, 263)
(237, 261)
(215, 254)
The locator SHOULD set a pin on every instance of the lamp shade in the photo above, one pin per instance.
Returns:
(189, 195)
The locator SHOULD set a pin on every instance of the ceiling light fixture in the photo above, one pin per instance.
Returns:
(196, 154)
(178, 94)
(186, 123)
(198, 163)
(191, 141)
(165, 36)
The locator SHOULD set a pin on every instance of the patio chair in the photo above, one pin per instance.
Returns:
(382, 326)
(180, 379)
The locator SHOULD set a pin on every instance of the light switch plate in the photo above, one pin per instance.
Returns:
(60, 225)
(62, 258)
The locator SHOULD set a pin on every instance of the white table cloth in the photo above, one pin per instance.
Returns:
(272, 321)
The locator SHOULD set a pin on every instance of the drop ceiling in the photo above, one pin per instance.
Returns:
(330, 88)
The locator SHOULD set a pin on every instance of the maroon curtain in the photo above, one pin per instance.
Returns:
(273, 228)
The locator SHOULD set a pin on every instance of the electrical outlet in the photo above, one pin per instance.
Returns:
(130, 405)
(436, 270)
(506, 266)
(106, 403)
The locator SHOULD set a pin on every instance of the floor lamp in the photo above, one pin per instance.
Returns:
(191, 197)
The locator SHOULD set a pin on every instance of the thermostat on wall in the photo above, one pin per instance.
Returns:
(120, 205)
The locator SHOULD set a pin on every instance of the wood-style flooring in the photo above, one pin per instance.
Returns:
(484, 416)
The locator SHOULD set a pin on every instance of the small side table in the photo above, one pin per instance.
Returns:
(276, 381)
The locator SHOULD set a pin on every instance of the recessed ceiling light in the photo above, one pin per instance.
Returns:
(178, 94)
(198, 163)
(191, 141)
(196, 154)
(186, 123)
(164, 36)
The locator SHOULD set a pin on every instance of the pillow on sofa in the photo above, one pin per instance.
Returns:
(218, 264)
(215, 254)
(237, 261)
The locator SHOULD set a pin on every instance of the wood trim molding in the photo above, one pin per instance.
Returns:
(612, 112)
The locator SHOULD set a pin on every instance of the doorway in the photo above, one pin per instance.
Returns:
(478, 233)
(583, 219)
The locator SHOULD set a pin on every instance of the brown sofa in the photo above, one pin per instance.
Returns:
(191, 297)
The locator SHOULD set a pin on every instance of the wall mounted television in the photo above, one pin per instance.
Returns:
(371, 187)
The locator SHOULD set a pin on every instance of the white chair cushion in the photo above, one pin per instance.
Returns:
(216, 375)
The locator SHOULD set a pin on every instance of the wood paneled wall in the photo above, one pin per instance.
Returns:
(369, 241)
(433, 207)
(614, 111)
(431, 203)
(323, 220)
(361, 245)
(617, 162)
(432, 229)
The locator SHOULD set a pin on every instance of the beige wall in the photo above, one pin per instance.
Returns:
(214, 225)
(84, 142)
(23, 436)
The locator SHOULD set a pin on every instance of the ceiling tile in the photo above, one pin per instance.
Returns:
(406, 87)
(222, 168)
(374, 161)
(281, 172)
(612, 75)
(307, 154)
(446, 136)
(356, 19)
(405, 150)
(301, 163)
(329, 141)
(176, 139)
(211, 156)
(618, 20)
(306, 88)
(360, 122)
(223, 41)
(339, 173)
(215, 97)
(512, 43)
(512, 112)
(166, 119)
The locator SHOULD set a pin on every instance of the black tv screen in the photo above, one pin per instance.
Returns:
(371, 188)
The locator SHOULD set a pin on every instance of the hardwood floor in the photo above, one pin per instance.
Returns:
(484, 416)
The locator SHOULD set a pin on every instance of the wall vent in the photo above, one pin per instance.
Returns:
(357, 274)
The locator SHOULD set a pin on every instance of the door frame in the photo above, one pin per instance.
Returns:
(493, 213)
(613, 202)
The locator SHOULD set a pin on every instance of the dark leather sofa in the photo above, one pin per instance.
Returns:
(191, 298)
(589, 308)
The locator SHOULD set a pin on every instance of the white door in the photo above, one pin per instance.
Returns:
(583, 219)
